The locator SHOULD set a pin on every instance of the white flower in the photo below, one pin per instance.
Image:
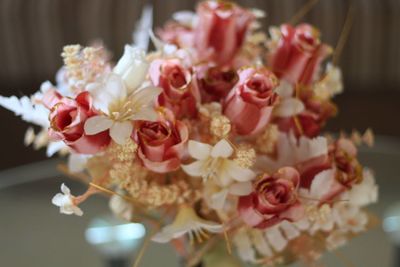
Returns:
(289, 105)
(363, 193)
(291, 151)
(132, 67)
(66, 202)
(187, 222)
(331, 84)
(349, 218)
(120, 108)
(214, 163)
(77, 162)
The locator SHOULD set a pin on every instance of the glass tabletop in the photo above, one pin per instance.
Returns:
(33, 233)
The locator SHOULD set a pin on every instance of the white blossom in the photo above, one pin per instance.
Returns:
(66, 203)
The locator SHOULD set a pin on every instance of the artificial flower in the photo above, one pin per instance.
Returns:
(179, 94)
(121, 207)
(215, 82)
(66, 203)
(363, 193)
(132, 67)
(187, 222)
(298, 54)
(221, 30)
(273, 200)
(350, 218)
(213, 162)
(250, 103)
(120, 108)
(68, 117)
(162, 143)
(289, 105)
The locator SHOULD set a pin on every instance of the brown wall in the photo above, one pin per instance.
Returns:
(33, 32)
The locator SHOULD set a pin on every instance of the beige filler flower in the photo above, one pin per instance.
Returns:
(187, 222)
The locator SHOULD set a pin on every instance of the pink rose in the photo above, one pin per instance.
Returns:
(161, 144)
(221, 30)
(274, 199)
(179, 95)
(299, 54)
(177, 34)
(249, 104)
(68, 116)
(215, 82)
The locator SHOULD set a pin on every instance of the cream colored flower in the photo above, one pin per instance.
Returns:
(289, 105)
(132, 67)
(349, 218)
(331, 84)
(66, 202)
(363, 193)
(120, 108)
(187, 222)
(213, 162)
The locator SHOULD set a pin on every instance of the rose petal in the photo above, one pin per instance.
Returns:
(120, 132)
(222, 149)
(97, 124)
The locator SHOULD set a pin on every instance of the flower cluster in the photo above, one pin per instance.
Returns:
(219, 130)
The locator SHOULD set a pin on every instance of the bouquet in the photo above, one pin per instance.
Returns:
(213, 138)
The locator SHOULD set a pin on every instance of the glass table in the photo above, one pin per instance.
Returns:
(34, 234)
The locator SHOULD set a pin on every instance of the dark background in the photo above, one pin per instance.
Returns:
(33, 33)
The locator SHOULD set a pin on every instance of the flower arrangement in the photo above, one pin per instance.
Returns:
(215, 135)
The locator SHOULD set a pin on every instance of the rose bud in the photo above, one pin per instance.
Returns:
(176, 34)
(298, 54)
(273, 200)
(221, 30)
(179, 95)
(215, 82)
(249, 104)
(348, 168)
(132, 67)
(67, 118)
(162, 143)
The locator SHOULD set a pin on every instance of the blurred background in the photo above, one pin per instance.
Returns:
(32, 34)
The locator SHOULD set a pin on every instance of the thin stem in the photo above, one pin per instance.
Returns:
(303, 11)
(344, 35)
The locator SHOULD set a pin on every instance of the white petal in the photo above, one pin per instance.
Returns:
(289, 230)
(97, 124)
(276, 239)
(241, 189)
(261, 244)
(222, 149)
(321, 184)
(244, 246)
(65, 189)
(289, 107)
(218, 199)
(77, 211)
(284, 89)
(199, 150)
(162, 237)
(77, 163)
(238, 173)
(115, 88)
(145, 114)
(58, 199)
(194, 169)
(146, 96)
(120, 132)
